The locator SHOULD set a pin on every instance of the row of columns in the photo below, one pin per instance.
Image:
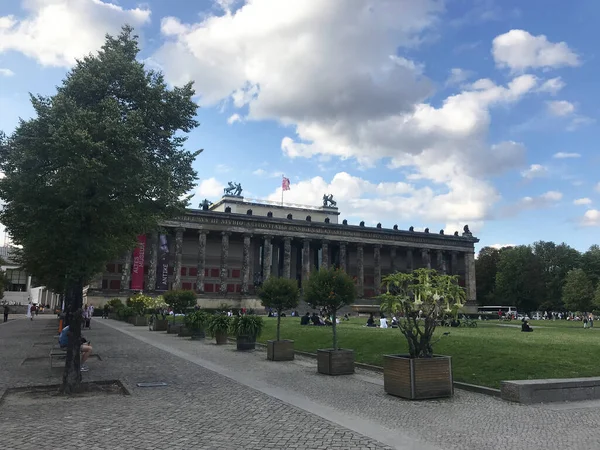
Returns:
(287, 250)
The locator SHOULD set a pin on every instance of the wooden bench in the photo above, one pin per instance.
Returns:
(57, 352)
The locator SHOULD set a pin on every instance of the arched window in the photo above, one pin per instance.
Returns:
(269, 214)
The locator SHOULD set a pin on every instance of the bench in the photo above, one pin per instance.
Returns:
(551, 390)
(58, 353)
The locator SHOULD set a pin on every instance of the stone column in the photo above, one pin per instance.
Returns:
(267, 258)
(201, 263)
(470, 277)
(454, 262)
(439, 261)
(360, 265)
(178, 257)
(425, 258)
(377, 268)
(409, 260)
(393, 259)
(224, 260)
(325, 254)
(153, 261)
(246, 263)
(126, 273)
(305, 260)
(287, 257)
(343, 256)
(444, 265)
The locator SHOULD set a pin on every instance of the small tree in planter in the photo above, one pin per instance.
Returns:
(218, 326)
(180, 301)
(114, 305)
(422, 298)
(279, 294)
(332, 289)
(195, 322)
(246, 329)
(158, 307)
(139, 304)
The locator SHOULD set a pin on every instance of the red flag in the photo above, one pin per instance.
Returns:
(285, 184)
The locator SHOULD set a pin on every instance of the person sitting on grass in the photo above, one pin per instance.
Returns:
(305, 320)
(525, 327)
(346, 317)
(327, 321)
(371, 321)
(316, 320)
(84, 347)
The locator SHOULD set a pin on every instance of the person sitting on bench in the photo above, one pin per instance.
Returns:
(84, 347)
(525, 327)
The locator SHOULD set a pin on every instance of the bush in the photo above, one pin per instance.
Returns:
(157, 305)
(125, 313)
(115, 304)
(218, 323)
(279, 294)
(139, 303)
(180, 300)
(247, 326)
(196, 320)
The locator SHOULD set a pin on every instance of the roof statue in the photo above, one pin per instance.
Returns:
(205, 204)
(233, 188)
(329, 199)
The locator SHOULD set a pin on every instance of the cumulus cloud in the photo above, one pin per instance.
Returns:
(234, 118)
(57, 32)
(560, 108)
(519, 50)
(582, 201)
(535, 171)
(210, 188)
(591, 218)
(458, 76)
(6, 72)
(546, 200)
(552, 86)
(565, 155)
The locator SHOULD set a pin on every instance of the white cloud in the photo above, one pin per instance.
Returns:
(210, 188)
(56, 32)
(6, 72)
(458, 76)
(578, 122)
(591, 218)
(582, 201)
(545, 200)
(560, 108)
(565, 155)
(234, 118)
(552, 86)
(519, 50)
(535, 171)
(267, 174)
(500, 246)
(332, 74)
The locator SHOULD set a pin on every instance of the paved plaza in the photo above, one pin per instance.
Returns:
(218, 398)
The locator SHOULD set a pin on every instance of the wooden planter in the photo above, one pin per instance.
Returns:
(197, 335)
(184, 332)
(418, 378)
(246, 343)
(160, 325)
(113, 316)
(131, 320)
(280, 350)
(140, 321)
(335, 362)
(221, 338)
(173, 328)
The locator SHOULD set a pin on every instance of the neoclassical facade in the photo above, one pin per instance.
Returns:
(224, 251)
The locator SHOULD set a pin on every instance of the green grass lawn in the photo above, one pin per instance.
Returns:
(485, 355)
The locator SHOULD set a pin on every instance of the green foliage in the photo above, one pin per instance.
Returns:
(139, 303)
(180, 300)
(279, 293)
(125, 313)
(247, 325)
(486, 268)
(115, 304)
(578, 292)
(218, 323)
(590, 263)
(421, 298)
(157, 305)
(196, 320)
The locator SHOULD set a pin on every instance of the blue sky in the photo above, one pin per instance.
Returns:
(415, 112)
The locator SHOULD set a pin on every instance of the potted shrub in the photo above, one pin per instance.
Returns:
(279, 294)
(158, 307)
(422, 298)
(114, 305)
(246, 329)
(332, 289)
(139, 303)
(179, 301)
(125, 314)
(195, 324)
(218, 326)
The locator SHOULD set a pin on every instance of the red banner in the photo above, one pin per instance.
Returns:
(137, 270)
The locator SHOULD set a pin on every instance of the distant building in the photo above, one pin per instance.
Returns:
(225, 250)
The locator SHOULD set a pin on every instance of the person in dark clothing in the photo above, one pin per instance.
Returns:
(305, 320)
(6, 311)
(525, 327)
(316, 320)
(371, 321)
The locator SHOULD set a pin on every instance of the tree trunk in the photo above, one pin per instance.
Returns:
(73, 312)
(278, 323)
(333, 324)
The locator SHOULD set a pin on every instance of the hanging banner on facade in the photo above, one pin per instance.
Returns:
(137, 269)
(162, 268)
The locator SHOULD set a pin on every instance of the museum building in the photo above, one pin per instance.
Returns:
(225, 250)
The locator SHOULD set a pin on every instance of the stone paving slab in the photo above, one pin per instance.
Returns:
(199, 409)
(467, 421)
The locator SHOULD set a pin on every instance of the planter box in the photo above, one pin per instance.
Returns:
(280, 350)
(221, 338)
(160, 325)
(184, 332)
(335, 362)
(246, 343)
(140, 321)
(173, 328)
(113, 316)
(197, 335)
(131, 320)
(418, 378)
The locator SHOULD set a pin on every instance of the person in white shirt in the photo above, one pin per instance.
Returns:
(383, 322)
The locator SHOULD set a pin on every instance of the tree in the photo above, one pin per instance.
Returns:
(180, 300)
(578, 292)
(331, 289)
(280, 294)
(101, 162)
(519, 279)
(596, 304)
(590, 263)
(486, 268)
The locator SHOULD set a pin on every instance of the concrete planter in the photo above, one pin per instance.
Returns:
(418, 378)
(335, 362)
(160, 325)
(197, 335)
(280, 350)
(140, 321)
(184, 332)
(173, 328)
(113, 316)
(131, 320)
(246, 343)
(221, 338)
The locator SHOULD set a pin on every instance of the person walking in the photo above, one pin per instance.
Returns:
(29, 311)
(6, 311)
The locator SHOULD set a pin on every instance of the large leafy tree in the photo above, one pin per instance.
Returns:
(486, 268)
(578, 292)
(590, 263)
(101, 162)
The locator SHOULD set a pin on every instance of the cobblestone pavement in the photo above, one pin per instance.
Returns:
(199, 409)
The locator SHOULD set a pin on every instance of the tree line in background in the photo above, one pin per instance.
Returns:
(543, 276)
